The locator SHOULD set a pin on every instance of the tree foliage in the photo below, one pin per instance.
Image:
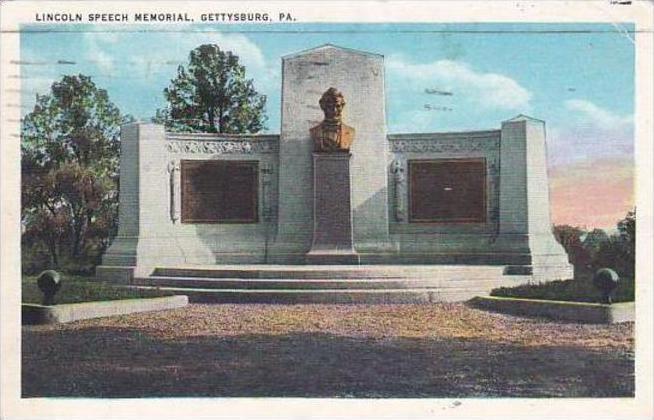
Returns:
(212, 94)
(70, 155)
(591, 250)
(571, 239)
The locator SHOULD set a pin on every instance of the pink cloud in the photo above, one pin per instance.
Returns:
(589, 133)
(588, 142)
(593, 193)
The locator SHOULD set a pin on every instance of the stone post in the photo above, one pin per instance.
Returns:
(144, 218)
(119, 260)
(333, 242)
(525, 223)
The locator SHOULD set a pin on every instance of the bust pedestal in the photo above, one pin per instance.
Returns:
(332, 211)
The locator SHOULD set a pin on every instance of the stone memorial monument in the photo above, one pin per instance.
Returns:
(333, 242)
(386, 217)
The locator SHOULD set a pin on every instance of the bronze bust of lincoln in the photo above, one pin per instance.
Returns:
(331, 135)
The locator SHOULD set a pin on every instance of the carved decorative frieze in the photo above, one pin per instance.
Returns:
(493, 168)
(439, 145)
(245, 147)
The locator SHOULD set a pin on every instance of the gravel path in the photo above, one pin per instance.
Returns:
(442, 350)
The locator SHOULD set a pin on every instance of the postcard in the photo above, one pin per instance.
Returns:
(317, 209)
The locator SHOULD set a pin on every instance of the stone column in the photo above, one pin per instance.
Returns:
(143, 238)
(305, 77)
(333, 242)
(119, 260)
(525, 223)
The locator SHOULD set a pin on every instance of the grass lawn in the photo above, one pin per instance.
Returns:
(579, 289)
(75, 289)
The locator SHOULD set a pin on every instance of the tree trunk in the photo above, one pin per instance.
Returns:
(52, 247)
(211, 117)
(85, 228)
(51, 238)
(78, 227)
(75, 247)
(221, 120)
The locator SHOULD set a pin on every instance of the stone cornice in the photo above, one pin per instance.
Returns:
(445, 142)
(205, 143)
(460, 135)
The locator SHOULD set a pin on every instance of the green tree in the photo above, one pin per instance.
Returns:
(589, 251)
(212, 95)
(70, 155)
(627, 230)
(619, 251)
(570, 238)
(594, 240)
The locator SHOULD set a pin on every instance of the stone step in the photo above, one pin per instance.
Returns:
(333, 272)
(458, 281)
(326, 296)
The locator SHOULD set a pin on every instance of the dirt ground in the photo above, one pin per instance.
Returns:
(442, 350)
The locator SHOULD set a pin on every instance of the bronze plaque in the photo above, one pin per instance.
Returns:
(219, 191)
(447, 191)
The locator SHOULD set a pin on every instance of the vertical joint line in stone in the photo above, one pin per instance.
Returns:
(266, 172)
(492, 199)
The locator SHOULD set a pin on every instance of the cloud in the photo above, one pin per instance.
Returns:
(137, 57)
(266, 74)
(180, 44)
(147, 61)
(177, 44)
(103, 61)
(590, 132)
(136, 66)
(587, 111)
(592, 193)
(98, 46)
(110, 35)
(415, 121)
(487, 90)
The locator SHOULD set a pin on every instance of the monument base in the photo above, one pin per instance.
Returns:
(360, 284)
(333, 242)
(335, 258)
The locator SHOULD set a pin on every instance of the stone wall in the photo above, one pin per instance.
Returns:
(151, 231)
(516, 229)
(444, 242)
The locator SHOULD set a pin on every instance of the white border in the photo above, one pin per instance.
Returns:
(639, 12)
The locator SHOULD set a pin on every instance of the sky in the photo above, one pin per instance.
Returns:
(579, 78)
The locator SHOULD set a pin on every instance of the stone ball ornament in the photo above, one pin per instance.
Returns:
(606, 280)
(49, 283)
